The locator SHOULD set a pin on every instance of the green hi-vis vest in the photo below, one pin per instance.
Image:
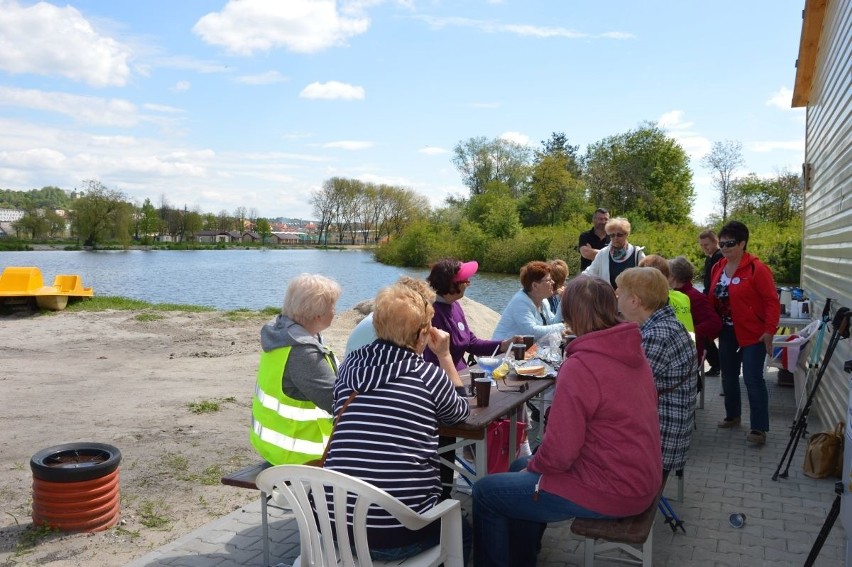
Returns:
(680, 303)
(285, 431)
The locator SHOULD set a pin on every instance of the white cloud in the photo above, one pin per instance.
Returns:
(182, 86)
(333, 90)
(782, 98)
(302, 26)
(769, 146)
(694, 144)
(85, 109)
(432, 151)
(44, 39)
(525, 30)
(268, 78)
(516, 137)
(349, 145)
(162, 108)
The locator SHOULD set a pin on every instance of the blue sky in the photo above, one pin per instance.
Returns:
(253, 103)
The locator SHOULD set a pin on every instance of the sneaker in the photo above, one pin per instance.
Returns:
(712, 372)
(756, 436)
(728, 422)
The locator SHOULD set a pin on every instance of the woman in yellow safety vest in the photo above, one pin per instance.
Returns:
(291, 411)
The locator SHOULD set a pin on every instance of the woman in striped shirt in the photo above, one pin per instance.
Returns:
(388, 435)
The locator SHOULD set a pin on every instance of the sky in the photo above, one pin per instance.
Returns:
(255, 103)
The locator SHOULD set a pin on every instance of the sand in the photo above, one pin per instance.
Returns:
(127, 378)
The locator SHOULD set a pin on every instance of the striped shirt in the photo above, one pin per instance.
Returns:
(388, 435)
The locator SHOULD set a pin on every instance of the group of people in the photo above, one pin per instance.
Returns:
(622, 409)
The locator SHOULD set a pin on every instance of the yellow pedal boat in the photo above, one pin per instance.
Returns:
(27, 282)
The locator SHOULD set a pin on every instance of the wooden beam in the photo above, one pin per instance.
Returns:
(812, 20)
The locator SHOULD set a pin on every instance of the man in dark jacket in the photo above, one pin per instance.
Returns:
(709, 243)
(593, 239)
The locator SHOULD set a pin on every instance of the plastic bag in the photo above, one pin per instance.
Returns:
(824, 456)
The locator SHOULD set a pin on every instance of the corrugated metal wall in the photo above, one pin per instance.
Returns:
(827, 246)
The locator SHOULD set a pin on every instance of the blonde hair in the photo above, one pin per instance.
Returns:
(649, 285)
(420, 286)
(620, 223)
(309, 296)
(401, 315)
(655, 261)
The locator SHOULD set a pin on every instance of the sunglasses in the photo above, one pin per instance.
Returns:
(728, 243)
(617, 234)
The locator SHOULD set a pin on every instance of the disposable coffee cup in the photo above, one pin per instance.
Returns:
(737, 520)
(483, 392)
(529, 341)
(519, 350)
(474, 375)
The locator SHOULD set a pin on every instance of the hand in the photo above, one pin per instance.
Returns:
(438, 342)
(766, 339)
(587, 252)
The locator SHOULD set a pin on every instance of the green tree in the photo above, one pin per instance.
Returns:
(554, 191)
(194, 222)
(101, 214)
(149, 221)
(33, 223)
(263, 228)
(722, 161)
(642, 172)
(776, 200)
(481, 161)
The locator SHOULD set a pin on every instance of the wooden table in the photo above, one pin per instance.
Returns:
(473, 430)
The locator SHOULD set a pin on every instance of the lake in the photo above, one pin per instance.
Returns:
(232, 279)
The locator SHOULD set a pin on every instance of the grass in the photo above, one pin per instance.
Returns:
(147, 317)
(31, 537)
(102, 303)
(210, 406)
(153, 515)
(243, 314)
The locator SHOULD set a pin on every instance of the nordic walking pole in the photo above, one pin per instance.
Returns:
(813, 360)
(826, 527)
(841, 331)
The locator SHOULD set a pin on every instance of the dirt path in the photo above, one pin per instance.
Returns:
(127, 378)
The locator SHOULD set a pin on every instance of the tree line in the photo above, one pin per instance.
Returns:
(527, 204)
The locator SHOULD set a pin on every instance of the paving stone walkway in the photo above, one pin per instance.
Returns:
(724, 475)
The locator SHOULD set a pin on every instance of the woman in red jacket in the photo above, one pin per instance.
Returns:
(600, 456)
(744, 295)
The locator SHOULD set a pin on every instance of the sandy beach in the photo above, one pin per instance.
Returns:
(129, 379)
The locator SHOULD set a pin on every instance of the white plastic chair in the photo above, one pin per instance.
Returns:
(293, 484)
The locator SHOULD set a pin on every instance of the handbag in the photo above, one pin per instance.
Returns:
(824, 456)
(497, 441)
(321, 461)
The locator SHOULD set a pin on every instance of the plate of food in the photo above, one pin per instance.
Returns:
(534, 368)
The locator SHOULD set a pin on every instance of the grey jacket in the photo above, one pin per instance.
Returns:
(307, 375)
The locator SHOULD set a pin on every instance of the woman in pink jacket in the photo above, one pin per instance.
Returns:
(600, 456)
(744, 295)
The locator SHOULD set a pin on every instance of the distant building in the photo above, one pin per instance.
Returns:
(11, 215)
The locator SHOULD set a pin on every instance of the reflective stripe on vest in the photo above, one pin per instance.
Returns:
(285, 430)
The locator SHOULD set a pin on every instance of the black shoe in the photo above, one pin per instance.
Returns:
(712, 372)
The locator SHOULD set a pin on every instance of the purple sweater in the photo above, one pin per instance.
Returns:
(450, 317)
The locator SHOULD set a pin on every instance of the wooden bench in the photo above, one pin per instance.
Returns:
(247, 478)
(621, 534)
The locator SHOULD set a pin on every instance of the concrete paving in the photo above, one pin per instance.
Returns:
(724, 475)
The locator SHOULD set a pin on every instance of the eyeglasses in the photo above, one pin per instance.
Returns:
(463, 282)
(728, 243)
(547, 281)
(617, 234)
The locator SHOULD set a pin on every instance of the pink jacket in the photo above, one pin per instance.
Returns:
(602, 445)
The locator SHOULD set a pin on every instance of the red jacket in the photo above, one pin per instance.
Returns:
(755, 308)
(601, 449)
(705, 319)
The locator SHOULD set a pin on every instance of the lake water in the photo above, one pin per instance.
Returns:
(232, 279)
